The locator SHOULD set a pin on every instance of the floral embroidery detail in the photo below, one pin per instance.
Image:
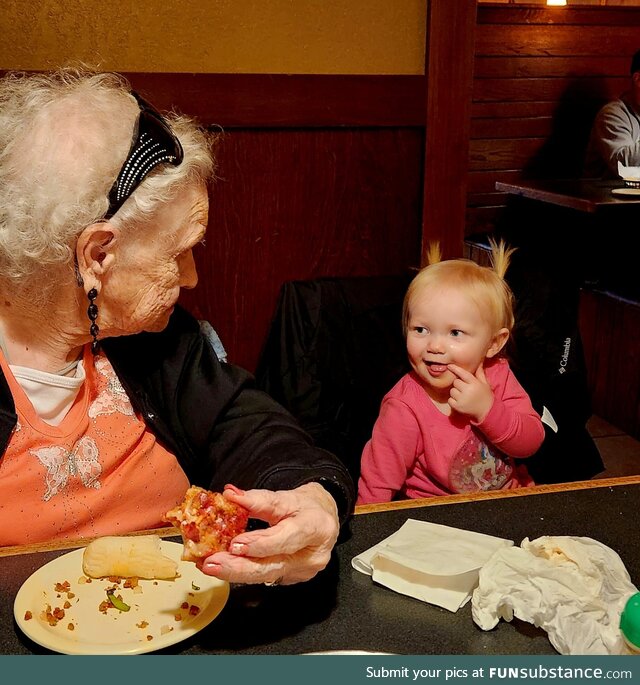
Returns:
(477, 466)
(82, 461)
(113, 397)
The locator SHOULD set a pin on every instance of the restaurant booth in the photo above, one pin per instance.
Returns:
(334, 176)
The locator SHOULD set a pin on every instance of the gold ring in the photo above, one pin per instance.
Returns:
(277, 581)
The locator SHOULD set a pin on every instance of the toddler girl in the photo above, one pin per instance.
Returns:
(457, 420)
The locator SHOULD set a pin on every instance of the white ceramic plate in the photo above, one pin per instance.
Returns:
(117, 632)
(348, 652)
(626, 191)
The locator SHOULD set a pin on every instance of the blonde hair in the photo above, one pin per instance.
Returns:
(64, 136)
(484, 285)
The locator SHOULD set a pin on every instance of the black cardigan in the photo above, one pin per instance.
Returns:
(210, 416)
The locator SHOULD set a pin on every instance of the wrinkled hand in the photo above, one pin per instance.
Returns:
(303, 530)
(471, 393)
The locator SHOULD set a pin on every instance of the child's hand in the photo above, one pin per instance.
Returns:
(470, 394)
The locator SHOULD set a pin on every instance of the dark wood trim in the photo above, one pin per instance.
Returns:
(485, 181)
(54, 545)
(512, 110)
(545, 67)
(450, 78)
(526, 127)
(544, 89)
(543, 40)
(601, 16)
(289, 101)
(495, 494)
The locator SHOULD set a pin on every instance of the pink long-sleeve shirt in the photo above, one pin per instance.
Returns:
(417, 451)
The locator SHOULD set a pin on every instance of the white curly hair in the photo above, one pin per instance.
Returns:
(64, 136)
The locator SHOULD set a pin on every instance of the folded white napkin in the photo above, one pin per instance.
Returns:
(434, 563)
(629, 173)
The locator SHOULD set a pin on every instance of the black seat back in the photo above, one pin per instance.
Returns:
(334, 349)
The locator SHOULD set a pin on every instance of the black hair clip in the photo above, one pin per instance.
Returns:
(153, 143)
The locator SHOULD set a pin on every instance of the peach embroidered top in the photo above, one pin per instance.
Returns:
(100, 471)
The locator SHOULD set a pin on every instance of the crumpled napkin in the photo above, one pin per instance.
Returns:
(437, 564)
(629, 173)
(573, 587)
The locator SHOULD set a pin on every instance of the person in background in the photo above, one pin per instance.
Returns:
(112, 400)
(615, 135)
(456, 422)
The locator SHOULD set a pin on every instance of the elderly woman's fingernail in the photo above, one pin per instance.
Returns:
(238, 548)
(233, 488)
(211, 567)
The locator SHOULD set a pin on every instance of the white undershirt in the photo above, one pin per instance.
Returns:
(50, 394)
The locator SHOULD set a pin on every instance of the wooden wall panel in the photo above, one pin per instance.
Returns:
(610, 328)
(510, 153)
(545, 89)
(541, 67)
(540, 76)
(556, 40)
(318, 176)
(609, 16)
(299, 204)
(485, 181)
(534, 127)
(510, 110)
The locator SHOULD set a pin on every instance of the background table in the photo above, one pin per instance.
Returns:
(344, 609)
(579, 244)
(582, 195)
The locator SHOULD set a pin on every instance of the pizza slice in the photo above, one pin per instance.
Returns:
(207, 522)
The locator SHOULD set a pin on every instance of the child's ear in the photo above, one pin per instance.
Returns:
(498, 342)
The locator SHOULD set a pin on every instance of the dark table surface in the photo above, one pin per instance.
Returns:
(342, 609)
(582, 195)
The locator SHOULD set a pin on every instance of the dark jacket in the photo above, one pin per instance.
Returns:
(210, 415)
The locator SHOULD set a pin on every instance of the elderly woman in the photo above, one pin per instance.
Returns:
(111, 400)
